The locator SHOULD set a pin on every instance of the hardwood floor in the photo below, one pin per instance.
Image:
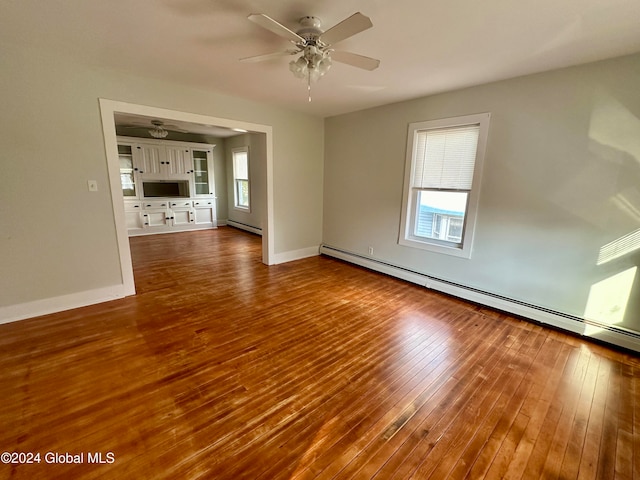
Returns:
(223, 368)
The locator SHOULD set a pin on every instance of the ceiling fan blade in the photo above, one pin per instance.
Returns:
(270, 24)
(268, 56)
(356, 23)
(174, 128)
(355, 60)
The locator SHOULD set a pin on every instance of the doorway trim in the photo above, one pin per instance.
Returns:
(107, 110)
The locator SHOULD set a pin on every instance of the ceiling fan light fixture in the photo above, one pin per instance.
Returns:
(315, 46)
(324, 65)
(299, 67)
(158, 132)
(312, 66)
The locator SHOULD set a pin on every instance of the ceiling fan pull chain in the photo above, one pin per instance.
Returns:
(309, 84)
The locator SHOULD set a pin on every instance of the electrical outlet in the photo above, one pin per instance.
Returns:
(370, 250)
(93, 185)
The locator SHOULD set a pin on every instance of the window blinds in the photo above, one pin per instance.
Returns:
(445, 158)
(240, 167)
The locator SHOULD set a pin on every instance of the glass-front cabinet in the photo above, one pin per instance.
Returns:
(201, 172)
(125, 155)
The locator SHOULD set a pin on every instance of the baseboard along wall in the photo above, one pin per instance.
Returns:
(606, 333)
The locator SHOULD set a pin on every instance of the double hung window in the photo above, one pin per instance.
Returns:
(443, 167)
(241, 177)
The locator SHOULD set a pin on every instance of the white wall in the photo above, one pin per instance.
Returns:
(59, 239)
(561, 180)
(256, 144)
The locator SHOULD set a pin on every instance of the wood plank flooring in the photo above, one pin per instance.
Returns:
(223, 368)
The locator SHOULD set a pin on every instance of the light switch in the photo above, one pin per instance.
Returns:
(93, 185)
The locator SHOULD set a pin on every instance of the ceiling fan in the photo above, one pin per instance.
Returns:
(158, 129)
(315, 45)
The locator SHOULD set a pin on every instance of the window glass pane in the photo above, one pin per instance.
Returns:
(126, 162)
(242, 193)
(440, 215)
(124, 149)
(128, 184)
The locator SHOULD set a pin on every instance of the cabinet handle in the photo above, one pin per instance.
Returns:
(141, 171)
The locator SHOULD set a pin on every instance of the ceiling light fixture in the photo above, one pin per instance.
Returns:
(311, 65)
(157, 131)
(316, 45)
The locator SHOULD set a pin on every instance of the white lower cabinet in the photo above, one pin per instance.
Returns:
(205, 211)
(155, 218)
(169, 215)
(181, 217)
(133, 216)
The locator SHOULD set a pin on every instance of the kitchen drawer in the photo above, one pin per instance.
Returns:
(203, 203)
(132, 206)
(180, 203)
(155, 204)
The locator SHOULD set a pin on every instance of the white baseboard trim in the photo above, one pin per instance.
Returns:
(605, 333)
(13, 313)
(295, 255)
(244, 226)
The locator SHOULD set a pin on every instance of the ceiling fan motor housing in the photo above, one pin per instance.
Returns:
(310, 29)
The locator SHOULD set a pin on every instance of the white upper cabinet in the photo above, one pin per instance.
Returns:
(178, 162)
(164, 162)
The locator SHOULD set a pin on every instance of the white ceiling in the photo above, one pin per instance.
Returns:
(424, 47)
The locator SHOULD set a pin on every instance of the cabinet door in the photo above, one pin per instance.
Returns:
(133, 220)
(204, 212)
(178, 162)
(181, 217)
(127, 178)
(202, 172)
(204, 216)
(149, 160)
(155, 218)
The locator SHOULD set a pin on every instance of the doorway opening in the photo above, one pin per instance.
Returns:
(108, 108)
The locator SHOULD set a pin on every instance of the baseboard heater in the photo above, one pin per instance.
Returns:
(244, 226)
(606, 333)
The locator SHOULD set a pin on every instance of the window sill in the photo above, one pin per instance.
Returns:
(436, 247)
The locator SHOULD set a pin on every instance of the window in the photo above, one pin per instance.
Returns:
(442, 176)
(241, 177)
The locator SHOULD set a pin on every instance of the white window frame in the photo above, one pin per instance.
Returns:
(410, 194)
(236, 203)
